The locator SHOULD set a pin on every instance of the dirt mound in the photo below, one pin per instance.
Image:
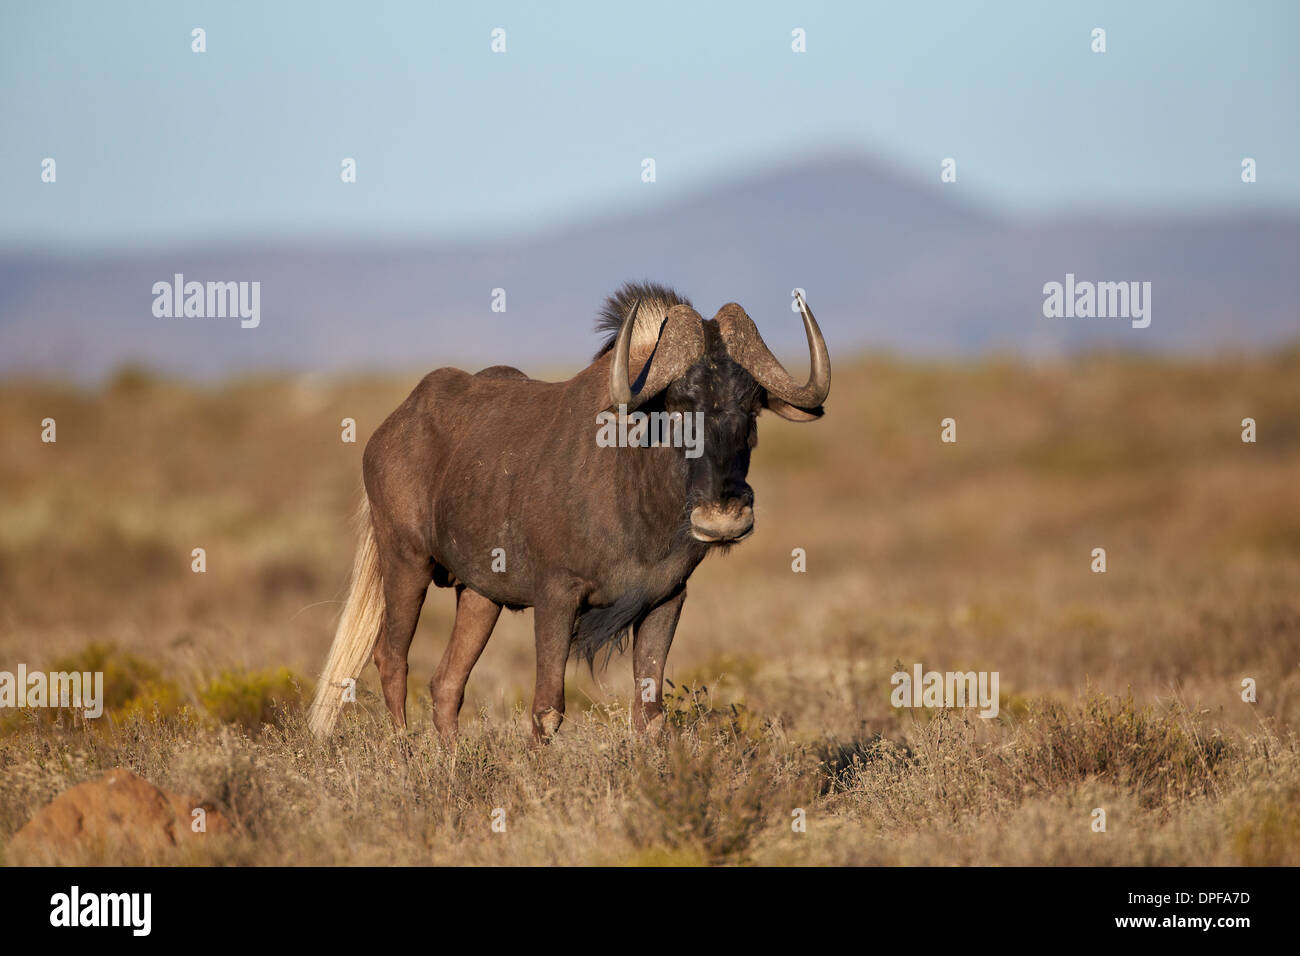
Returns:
(116, 815)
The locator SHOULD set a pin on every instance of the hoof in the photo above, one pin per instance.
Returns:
(547, 723)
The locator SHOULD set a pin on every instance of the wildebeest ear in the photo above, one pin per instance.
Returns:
(655, 364)
(792, 412)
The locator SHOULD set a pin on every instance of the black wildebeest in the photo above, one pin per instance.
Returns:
(495, 484)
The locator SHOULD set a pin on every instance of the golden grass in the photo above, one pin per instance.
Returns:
(1119, 690)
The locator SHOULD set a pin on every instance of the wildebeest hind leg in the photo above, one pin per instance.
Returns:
(405, 585)
(475, 618)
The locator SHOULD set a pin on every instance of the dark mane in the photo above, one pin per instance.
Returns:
(655, 299)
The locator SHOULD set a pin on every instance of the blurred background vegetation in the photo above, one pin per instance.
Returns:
(1123, 686)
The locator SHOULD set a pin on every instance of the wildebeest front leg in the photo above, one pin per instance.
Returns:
(650, 643)
(475, 618)
(553, 627)
(404, 589)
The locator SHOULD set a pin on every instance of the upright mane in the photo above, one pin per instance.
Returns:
(655, 300)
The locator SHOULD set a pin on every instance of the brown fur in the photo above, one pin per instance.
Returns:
(592, 537)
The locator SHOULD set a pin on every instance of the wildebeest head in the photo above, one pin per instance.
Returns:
(722, 369)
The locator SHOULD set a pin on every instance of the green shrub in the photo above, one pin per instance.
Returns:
(251, 698)
(133, 687)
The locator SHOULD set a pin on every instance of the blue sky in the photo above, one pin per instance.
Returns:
(155, 144)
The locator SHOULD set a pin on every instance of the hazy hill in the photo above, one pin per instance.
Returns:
(886, 262)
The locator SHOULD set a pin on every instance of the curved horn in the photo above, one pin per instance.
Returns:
(747, 347)
(678, 345)
(620, 386)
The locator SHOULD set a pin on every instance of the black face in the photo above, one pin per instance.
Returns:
(718, 497)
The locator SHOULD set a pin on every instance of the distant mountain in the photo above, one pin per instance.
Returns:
(886, 262)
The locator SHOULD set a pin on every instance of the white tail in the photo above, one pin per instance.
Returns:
(358, 630)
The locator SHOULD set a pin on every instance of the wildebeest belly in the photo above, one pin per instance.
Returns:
(525, 502)
(500, 522)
